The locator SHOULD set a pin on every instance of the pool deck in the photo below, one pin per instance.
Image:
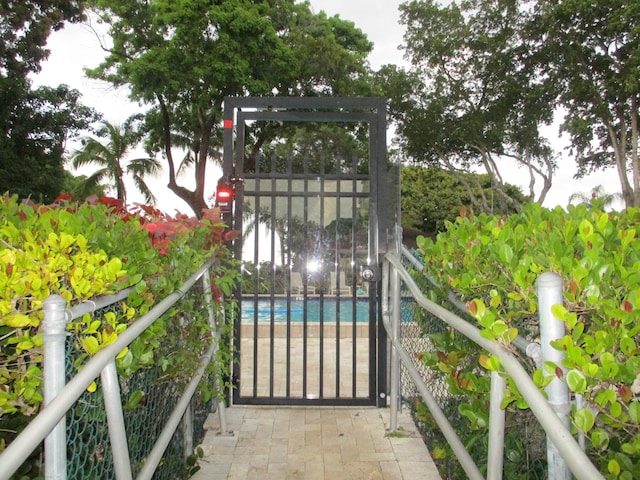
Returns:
(313, 443)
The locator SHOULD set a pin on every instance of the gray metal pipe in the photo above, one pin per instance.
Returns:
(391, 309)
(549, 287)
(155, 455)
(460, 451)
(206, 283)
(115, 422)
(495, 460)
(90, 306)
(54, 326)
(577, 460)
(520, 342)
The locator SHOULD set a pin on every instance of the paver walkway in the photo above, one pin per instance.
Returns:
(314, 443)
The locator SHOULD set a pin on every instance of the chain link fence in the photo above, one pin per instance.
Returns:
(525, 441)
(145, 413)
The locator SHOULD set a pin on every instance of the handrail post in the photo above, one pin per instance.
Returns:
(394, 388)
(495, 460)
(115, 421)
(206, 285)
(549, 287)
(54, 325)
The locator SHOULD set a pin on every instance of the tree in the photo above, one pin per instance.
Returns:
(111, 158)
(34, 123)
(32, 144)
(183, 59)
(471, 98)
(77, 187)
(431, 196)
(591, 52)
(597, 197)
(24, 30)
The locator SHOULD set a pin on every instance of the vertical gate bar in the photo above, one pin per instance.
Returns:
(256, 242)
(337, 285)
(354, 286)
(304, 304)
(377, 175)
(236, 160)
(287, 262)
(272, 277)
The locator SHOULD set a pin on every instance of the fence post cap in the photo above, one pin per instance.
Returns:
(549, 280)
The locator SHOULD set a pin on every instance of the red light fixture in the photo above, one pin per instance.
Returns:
(224, 196)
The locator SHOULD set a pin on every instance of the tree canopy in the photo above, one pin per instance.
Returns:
(111, 158)
(181, 60)
(470, 98)
(37, 124)
(486, 75)
(34, 123)
(432, 196)
(591, 52)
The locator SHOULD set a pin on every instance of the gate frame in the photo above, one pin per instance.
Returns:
(384, 224)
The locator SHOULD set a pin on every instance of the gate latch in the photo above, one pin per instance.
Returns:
(370, 273)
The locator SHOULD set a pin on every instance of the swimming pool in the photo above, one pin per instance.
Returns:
(329, 308)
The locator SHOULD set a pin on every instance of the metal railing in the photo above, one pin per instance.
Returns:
(61, 397)
(564, 454)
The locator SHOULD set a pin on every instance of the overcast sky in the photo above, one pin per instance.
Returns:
(75, 47)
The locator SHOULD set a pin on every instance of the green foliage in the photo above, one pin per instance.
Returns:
(590, 54)
(80, 251)
(432, 196)
(35, 125)
(77, 187)
(470, 99)
(111, 158)
(492, 263)
(195, 53)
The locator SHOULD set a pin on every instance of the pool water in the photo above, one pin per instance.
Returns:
(329, 308)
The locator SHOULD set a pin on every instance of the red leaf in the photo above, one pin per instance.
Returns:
(559, 372)
(63, 197)
(627, 306)
(573, 287)
(625, 393)
(231, 235)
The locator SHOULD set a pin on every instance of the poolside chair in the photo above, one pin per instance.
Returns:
(297, 287)
(342, 287)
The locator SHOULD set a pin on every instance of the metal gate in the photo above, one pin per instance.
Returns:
(316, 215)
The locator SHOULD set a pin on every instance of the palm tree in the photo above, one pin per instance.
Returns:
(111, 159)
(597, 196)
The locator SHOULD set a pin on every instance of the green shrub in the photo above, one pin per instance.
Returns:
(80, 251)
(492, 263)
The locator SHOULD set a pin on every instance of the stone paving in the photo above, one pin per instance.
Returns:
(313, 443)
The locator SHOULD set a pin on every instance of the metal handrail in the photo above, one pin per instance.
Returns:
(575, 458)
(35, 432)
(529, 348)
